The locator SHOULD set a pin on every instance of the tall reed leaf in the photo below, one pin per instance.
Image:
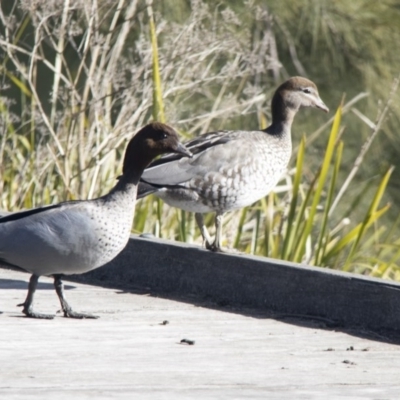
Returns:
(321, 182)
(370, 216)
(288, 241)
(158, 105)
(322, 241)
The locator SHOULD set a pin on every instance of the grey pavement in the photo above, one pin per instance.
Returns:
(129, 354)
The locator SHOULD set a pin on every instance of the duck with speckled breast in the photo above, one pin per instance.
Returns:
(78, 236)
(231, 169)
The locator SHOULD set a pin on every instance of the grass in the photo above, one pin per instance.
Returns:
(79, 79)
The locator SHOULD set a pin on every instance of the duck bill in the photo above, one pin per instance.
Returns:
(181, 149)
(321, 105)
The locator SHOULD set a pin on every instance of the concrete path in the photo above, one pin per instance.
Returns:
(129, 354)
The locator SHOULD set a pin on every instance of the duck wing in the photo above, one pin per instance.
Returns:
(211, 152)
(23, 214)
(44, 239)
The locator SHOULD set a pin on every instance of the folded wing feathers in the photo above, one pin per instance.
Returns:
(27, 213)
(175, 169)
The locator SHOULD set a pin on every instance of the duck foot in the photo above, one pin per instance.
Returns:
(214, 248)
(28, 311)
(69, 313)
(28, 303)
(218, 249)
(66, 308)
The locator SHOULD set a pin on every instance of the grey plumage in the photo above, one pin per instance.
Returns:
(78, 236)
(72, 238)
(231, 169)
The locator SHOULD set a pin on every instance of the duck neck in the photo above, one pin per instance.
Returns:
(124, 191)
(283, 112)
(137, 157)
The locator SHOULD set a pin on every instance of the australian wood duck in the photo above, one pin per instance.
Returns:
(77, 236)
(231, 169)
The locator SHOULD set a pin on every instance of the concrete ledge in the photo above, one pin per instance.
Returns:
(177, 270)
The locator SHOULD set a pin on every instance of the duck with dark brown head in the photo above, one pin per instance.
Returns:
(78, 236)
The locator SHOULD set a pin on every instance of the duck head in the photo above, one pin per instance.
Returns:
(295, 93)
(151, 141)
(301, 92)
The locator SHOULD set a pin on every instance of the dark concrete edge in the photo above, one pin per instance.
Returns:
(253, 284)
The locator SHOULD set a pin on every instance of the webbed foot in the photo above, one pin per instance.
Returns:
(28, 311)
(214, 248)
(69, 313)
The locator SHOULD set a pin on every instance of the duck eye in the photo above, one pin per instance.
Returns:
(306, 90)
(161, 136)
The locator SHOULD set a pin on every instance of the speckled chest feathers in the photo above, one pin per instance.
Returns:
(112, 218)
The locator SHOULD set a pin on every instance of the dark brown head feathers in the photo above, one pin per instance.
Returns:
(151, 141)
(156, 126)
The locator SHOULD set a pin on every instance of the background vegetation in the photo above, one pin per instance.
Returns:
(79, 77)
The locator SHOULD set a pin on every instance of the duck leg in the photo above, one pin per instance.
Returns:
(218, 232)
(216, 246)
(203, 229)
(67, 310)
(28, 303)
